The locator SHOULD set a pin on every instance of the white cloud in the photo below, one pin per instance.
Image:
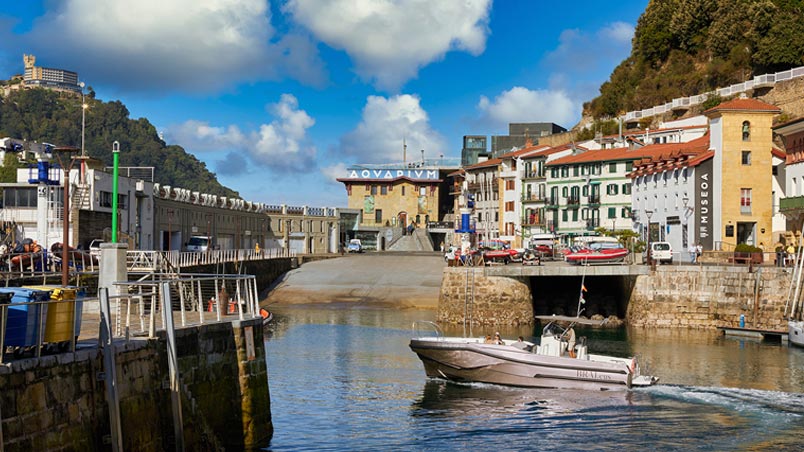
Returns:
(390, 40)
(577, 67)
(282, 145)
(333, 172)
(189, 45)
(524, 105)
(384, 124)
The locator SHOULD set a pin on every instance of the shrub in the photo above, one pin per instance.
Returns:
(746, 248)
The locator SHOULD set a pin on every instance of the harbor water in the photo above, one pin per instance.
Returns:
(342, 378)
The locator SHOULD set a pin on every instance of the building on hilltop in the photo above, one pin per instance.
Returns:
(48, 78)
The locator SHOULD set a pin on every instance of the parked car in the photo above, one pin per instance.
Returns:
(661, 252)
(355, 246)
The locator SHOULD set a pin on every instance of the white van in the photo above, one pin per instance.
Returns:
(661, 252)
(199, 243)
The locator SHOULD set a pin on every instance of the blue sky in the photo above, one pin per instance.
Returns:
(278, 97)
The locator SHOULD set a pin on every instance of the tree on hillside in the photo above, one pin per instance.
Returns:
(47, 116)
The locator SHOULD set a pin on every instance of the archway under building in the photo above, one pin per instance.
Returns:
(604, 295)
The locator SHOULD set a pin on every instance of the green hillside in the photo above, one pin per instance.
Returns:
(687, 47)
(50, 117)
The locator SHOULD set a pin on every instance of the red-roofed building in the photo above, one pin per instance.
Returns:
(716, 191)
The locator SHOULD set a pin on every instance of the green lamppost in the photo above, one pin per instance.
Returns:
(115, 164)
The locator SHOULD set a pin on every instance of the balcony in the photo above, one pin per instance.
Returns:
(573, 202)
(475, 186)
(534, 175)
(592, 224)
(533, 197)
(594, 200)
(552, 203)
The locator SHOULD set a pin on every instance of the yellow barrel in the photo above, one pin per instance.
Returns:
(60, 318)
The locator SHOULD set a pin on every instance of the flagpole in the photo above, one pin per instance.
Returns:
(580, 296)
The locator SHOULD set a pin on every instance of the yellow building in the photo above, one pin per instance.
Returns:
(742, 140)
(398, 195)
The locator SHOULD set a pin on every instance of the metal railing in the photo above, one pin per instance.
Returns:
(45, 263)
(764, 80)
(158, 260)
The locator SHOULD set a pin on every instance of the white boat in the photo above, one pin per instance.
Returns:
(795, 332)
(794, 308)
(514, 363)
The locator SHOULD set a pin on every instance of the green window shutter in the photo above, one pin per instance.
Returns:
(612, 212)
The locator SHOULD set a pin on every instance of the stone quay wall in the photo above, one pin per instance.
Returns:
(710, 297)
(705, 297)
(498, 300)
(58, 402)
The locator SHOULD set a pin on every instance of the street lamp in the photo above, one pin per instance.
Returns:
(116, 164)
(649, 214)
(65, 253)
(83, 127)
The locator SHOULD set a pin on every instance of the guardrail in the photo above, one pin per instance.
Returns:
(758, 81)
(157, 260)
(45, 263)
(138, 311)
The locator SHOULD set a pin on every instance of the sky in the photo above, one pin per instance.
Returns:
(278, 98)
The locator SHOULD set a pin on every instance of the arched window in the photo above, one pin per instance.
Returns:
(746, 131)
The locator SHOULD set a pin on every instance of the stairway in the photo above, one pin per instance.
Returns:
(418, 241)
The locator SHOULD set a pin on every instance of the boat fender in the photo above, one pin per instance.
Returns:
(632, 366)
(264, 313)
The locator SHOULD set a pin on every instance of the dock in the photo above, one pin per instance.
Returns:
(755, 333)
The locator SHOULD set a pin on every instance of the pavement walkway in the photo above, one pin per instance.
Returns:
(410, 280)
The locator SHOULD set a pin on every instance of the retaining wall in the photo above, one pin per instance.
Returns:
(498, 300)
(710, 297)
(59, 402)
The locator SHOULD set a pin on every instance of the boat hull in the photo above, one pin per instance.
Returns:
(507, 365)
(607, 257)
(795, 333)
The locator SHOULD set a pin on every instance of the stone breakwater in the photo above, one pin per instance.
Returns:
(704, 297)
(498, 300)
(710, 297)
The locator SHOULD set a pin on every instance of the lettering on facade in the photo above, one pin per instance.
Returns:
(703, 214)
(392, 174)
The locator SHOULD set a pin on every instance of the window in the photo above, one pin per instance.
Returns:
(585, 190)
(403, 190)
(625, 212)
(745, 200)
(565, 192)
(626, 189)
(775, 171)
(554, 172)
(612, 212)
(564, 171)
(613, 167)
(509, 206)
(373, 189)
(496, 216)
(422, 191)
(612, 189)
(574, 215)
(509, 184)
(746, 157)
(378, 216)
(105, 200)
(26, 197)
(746, 131)
(480, 216)
(629, 166)
(575, 170)
(384, 190)
(564, 215)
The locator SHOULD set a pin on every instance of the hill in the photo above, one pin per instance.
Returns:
(50, 117)
(687, 47)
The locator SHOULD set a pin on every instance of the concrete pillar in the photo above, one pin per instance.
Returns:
(112, 266)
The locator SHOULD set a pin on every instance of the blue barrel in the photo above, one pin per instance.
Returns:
(742, 320)
(23, 320)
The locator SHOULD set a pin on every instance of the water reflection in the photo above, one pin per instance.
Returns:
(343, 378)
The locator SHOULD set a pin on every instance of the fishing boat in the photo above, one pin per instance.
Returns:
(557, 361)
(601, 255)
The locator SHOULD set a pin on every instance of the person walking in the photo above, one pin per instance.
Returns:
(693, 250)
